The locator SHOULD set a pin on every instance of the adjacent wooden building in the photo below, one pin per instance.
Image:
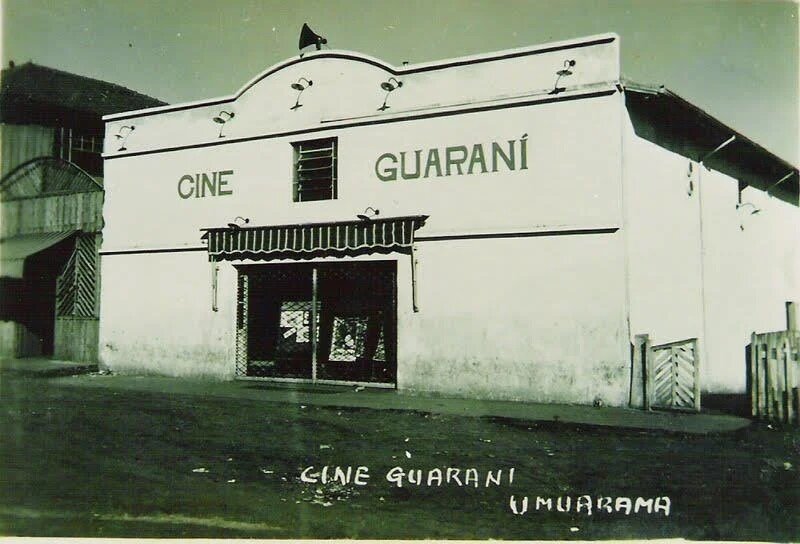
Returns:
(51, 208)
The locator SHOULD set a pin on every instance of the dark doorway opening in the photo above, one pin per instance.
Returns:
(322, 321)
(32, 299)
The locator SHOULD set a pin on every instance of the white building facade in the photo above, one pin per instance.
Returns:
(497, 226)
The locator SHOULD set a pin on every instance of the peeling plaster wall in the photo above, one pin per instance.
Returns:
(157, 317)
(537, 319)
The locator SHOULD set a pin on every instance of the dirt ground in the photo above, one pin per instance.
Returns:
(100, 462)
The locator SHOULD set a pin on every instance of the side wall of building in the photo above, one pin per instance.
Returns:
(752, 268)
(700, 267)
(663, 225)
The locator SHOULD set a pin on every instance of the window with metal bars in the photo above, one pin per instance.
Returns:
(315, 170)
(82, 149)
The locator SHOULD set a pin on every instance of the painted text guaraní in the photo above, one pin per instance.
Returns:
(455, 160)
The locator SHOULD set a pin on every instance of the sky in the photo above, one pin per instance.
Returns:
(737, 60)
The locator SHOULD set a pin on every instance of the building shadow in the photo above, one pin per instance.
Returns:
(737, 404)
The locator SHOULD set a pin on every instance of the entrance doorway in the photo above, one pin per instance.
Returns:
(34, 298)
(323, 322)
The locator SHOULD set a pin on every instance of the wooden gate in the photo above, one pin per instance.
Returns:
(672, 376)
(76, 285)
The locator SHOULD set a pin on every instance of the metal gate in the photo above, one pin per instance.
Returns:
(242, 297)
(673, 378)
(318, 322)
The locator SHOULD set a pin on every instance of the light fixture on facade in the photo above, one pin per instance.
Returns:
(741, 205)
(122, 135)
(221, 118)
(565, 71)
(388, 86)
(238, 222)
(369, 214)
(299, 87)
(754, 211)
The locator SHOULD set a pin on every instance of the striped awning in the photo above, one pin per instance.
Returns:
(304, 241)
(14, 250)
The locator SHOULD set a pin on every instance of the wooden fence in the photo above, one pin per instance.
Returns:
(774, 375)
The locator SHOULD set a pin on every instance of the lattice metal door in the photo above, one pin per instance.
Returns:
(242, 300)
(673, 375)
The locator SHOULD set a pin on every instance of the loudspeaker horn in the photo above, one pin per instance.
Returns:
(309, 37)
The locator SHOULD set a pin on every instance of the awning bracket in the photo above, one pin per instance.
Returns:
(716, 149)
(784, 178)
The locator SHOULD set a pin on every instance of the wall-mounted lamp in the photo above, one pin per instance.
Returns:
(221, 118)
(754, 211)
(299, 87)
(122, 135)
(369, 214)
(565, 71)
(388, 86)
(238, 222)
(741, 205)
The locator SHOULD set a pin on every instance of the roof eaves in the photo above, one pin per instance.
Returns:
(663, 91)
(769, 171)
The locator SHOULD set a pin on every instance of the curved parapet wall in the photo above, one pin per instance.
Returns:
(348, 85)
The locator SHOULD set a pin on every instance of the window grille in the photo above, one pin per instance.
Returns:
(315, 170)
(82, 149)
(90, 144)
